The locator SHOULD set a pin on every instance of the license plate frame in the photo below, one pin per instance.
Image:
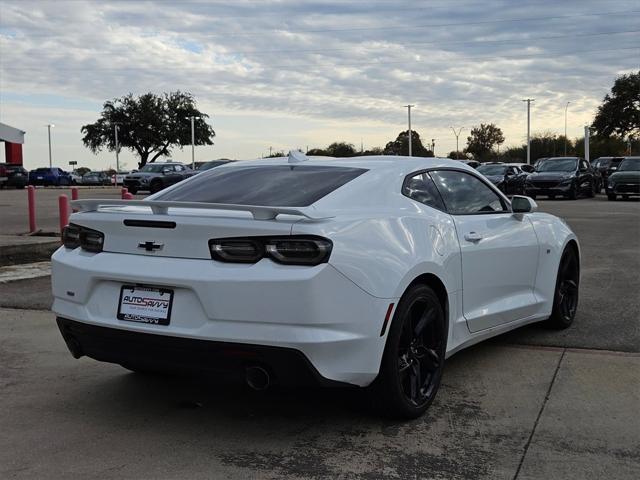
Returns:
(145, 304)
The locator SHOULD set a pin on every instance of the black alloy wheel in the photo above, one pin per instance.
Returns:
(413, 359)
(573, 193)
(565, 300)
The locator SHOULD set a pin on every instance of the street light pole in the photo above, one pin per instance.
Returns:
(457, 134)
(193, 143)
(433, 146)
(528, 100)
(409, 115)
(49, 127)
(565, 128)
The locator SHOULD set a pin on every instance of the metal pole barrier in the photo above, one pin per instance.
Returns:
(74, 195)
(63, 208)
(31, 199)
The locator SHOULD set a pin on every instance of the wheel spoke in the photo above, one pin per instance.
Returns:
(425, 320)
(415, 381)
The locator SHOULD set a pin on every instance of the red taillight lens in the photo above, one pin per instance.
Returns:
(71, 236)
(286, 250)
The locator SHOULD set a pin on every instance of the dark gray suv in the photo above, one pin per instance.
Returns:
(153, 177)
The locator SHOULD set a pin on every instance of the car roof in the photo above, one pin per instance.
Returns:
(377, 162)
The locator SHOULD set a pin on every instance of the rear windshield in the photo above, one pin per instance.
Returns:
(269, 185)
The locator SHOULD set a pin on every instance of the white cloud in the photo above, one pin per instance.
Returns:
(289, 73)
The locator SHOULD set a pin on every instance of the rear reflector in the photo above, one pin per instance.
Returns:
(386, 319)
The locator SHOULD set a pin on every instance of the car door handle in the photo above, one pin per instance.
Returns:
(472, 237)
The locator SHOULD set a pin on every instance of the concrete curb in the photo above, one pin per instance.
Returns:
(26, 249)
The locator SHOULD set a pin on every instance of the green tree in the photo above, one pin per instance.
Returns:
(150, 125)
(318, 152)
(601, 147)
(483, 139)
(457, 155)
(400, 146)
(341, 149)
(619, 113)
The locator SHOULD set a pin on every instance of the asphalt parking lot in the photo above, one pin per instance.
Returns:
(529, 404)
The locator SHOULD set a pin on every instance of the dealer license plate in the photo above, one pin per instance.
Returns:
(145, 304)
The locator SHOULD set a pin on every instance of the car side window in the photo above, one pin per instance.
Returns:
(179, 168)
(421, 188)
(584, 165)
(465, 194)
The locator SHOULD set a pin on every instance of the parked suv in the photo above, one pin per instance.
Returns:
(625, 180)
(153, 177)
(49, 176)
(13, 175)
(566, 176)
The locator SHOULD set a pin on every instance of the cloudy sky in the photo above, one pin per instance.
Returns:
(292, 74)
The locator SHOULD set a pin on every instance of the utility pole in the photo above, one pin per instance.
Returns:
(270, 148)
(529, 100)
(49, 127)
(433, 146)
(115, 130)
(457, 134)
(409, 114)
(193, 143)
(565, 128)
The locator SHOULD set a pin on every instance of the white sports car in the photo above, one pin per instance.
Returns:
(365, 271)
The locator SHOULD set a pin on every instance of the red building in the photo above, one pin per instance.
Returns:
(13, 140)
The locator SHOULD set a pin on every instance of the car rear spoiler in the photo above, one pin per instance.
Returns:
(159, 207)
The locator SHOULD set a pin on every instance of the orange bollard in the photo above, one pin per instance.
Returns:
(63, 208)
(31, 200)
(127, 196)
(123, 192)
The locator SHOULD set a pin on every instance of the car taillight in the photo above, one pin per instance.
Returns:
(71, 236)
(301, 250)
(74, 236)
(236, 250)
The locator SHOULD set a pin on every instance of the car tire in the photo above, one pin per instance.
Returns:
(625, 197)
(592, 191)
(532, 197)
(132, 190)
(612, 196)
(566, 293)
(573, 193)
(552, 197)
(413, 359)
(155, 186)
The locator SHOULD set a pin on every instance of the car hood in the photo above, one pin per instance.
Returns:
(495, 178)
(630, 176)
(549, 176)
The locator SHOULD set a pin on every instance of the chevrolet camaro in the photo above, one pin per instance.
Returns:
(366, 272)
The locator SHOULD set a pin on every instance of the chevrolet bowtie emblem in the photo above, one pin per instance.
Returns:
(151, 246)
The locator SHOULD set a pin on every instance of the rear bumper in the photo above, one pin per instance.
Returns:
(316, 311)
(286, 366)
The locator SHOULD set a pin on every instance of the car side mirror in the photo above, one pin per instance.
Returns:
(522, 204)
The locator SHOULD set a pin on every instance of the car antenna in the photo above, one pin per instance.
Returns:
(296, 156)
